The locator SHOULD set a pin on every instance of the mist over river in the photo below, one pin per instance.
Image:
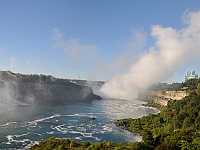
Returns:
(25, 125)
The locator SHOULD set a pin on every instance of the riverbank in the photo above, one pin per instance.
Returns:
(151, 103)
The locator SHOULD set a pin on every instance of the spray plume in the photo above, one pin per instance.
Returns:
(172, 49)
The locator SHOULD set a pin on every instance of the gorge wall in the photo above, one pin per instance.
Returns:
(41, 89)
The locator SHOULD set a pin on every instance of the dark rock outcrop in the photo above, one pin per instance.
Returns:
(41, 89)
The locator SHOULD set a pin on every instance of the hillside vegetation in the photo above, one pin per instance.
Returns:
(67, 144)
(177, 126)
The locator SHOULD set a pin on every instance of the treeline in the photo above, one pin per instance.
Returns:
(67, 144)
(167, 86)
(176, 127)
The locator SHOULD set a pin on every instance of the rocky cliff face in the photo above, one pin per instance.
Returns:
(163, 96)
(41, 89)
(173, 95)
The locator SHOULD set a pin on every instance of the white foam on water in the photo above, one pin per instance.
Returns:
(20, 135)
(11, 139)
(51, 132)
(74, 132)
(61, 129)
(7, 124)
(35, 122)
(106, 128)
(43, 119)
(85, 134)
(37, 134)
(78, 138)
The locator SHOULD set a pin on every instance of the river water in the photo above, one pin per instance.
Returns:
(23, 126)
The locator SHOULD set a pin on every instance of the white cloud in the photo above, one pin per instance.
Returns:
(74, 49)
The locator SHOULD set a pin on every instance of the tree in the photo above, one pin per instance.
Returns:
(198, 89)
(187, 122)
(164, 146)
(148, 138)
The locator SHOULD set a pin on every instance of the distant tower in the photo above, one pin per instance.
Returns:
(191, 75)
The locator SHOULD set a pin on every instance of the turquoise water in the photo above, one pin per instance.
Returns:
(22, 126)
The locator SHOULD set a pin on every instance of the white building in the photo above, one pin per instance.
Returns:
(191, 75)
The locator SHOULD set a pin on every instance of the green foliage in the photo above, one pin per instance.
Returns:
(198, 89)
(177, 126)
(66, 144)
(191, 84)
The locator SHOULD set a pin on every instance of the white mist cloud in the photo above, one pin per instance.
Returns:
(172, 49)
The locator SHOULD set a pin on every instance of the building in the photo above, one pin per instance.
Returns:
(191, 75)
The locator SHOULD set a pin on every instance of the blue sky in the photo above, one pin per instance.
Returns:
(32, 33)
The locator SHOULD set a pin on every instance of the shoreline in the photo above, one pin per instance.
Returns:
(123, 127)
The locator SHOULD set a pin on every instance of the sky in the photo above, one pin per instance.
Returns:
(88, 39)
